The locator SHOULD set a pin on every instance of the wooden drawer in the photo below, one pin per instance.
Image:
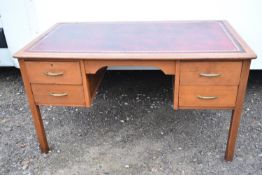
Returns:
(54, 72)
(210, 73)
(58, 95)
(207, 96)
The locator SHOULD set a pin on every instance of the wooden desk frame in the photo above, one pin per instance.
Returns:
(92, 68)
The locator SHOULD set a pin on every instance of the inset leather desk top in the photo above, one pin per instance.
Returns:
(167, 39)
(138, 37)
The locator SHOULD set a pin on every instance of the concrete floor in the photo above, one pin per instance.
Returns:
(130, 129)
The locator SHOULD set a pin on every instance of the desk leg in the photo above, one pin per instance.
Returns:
(232, 136)
(40, 131)
(236, 113)
(39, 127)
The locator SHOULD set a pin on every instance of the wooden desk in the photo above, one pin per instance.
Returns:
(64, 66)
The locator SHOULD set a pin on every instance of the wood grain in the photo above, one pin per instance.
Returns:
(36, 115)
(37, 70)
(92, 66)
(86, 85)
(95, 81)
(74, 97)
(176, 86)
(91, 82)
(82, 73)
(247, 54)
(226, 96)
(236, 113)
(190, 72)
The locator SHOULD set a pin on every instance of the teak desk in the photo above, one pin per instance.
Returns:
(210, 61)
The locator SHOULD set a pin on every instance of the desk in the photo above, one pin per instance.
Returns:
(208, 60)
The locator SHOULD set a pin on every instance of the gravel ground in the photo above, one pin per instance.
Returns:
(130, 129)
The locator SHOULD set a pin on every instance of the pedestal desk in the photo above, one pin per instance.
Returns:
(208, 60)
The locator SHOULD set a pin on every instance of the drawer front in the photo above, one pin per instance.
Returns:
(207, 96)
(54, 72)
(58, 95)
(210, 73)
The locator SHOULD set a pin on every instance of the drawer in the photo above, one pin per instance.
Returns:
(207, 96)
(210, 73)
(54, 72)
(58, 95)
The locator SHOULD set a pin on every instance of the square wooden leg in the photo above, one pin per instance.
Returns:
(236, 113)
(39, 127)
(232, 136)
(38, 122)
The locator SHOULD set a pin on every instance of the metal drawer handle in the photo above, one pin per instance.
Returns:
(54, 74)
(57, 94)
(207, 97)
(210, 75)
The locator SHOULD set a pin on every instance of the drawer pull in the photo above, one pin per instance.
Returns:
(58, 94)
(210, 75)
(206, 97)
(54, 74)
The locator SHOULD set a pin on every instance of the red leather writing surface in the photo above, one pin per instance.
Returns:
(177, 37)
